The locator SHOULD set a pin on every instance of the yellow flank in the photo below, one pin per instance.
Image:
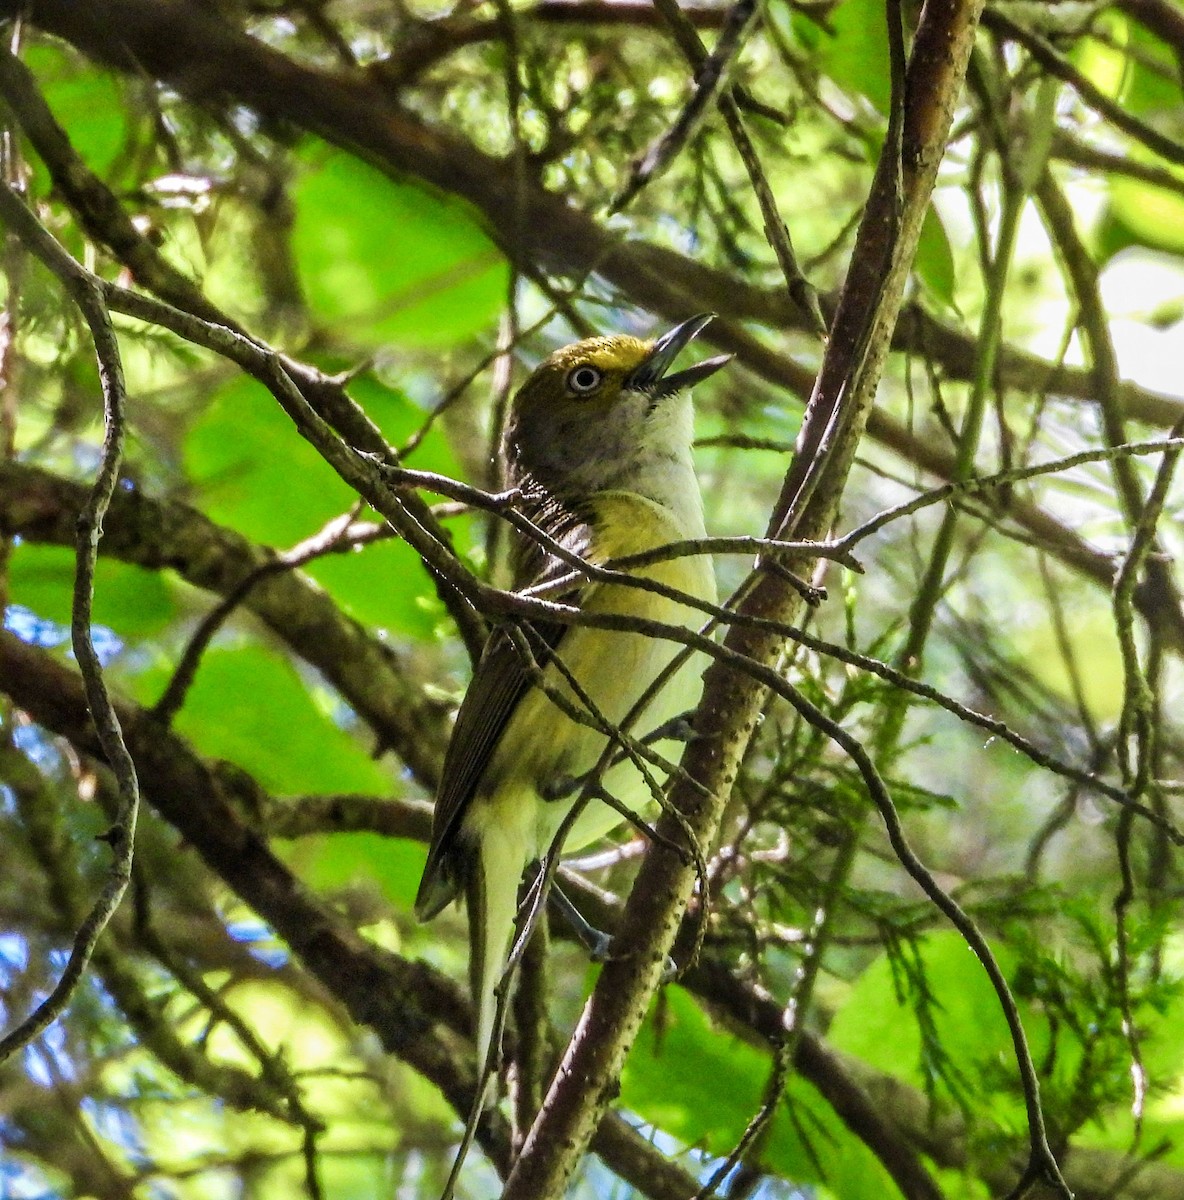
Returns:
(613, 669)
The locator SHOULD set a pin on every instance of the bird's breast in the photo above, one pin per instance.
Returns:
(606, 671)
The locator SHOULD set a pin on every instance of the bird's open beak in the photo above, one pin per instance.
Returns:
(651, 375)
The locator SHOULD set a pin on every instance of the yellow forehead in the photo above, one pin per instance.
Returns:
(617, 352)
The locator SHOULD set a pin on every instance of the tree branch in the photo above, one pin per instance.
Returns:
(88, 524)
(586, 1078)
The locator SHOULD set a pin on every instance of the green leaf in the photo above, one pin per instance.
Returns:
(335, 861)
(934, 262)
(1153, 215)
(386, 584)
(383, 585)
(1131, 66)
(86, 102)
(703, 1085)
(129, 600)
(879, 1027)
(389, 261)
(856, 55)
(1105, 64)
(256, 473)
(1151, 91)
(249, 705)
(399, 417)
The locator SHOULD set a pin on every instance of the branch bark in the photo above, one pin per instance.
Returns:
(586, 1079)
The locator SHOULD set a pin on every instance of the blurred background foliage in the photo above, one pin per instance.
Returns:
(200, 1057)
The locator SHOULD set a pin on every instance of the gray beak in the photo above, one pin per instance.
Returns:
(651, 376)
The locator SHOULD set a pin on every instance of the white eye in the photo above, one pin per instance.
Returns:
(584, 379)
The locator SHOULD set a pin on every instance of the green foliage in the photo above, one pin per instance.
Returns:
(88, 104)
(342, 860)
(703, 1086)
(437, 279)
(250, 705)
(130, 601)
(854, 53)
(311, 221)
(935, 260)
(254, 474)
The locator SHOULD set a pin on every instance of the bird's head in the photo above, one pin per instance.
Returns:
(605, 413)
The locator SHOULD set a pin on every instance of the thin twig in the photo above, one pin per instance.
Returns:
(1058, 65)
(1042, 1163)
(800, 292)
(121, 836)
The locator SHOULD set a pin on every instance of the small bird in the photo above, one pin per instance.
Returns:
(598, 447)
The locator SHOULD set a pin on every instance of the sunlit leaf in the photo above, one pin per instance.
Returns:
(129, 600)
(249, 705)
(934, 261)
(386, 261)
(856, 55)
(702, 1085)
(335, 861)
(1153, 216)
(1154, 86)
(1103, 62)
(85, 101)
(256, 473)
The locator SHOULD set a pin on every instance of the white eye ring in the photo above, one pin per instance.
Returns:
(584, 379)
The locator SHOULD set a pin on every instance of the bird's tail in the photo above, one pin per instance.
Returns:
(493, 908)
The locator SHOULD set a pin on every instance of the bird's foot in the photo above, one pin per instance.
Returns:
(561, 787)
(595, 941)
(677, 729)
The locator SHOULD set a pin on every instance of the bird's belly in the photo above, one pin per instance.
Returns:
(542, 747)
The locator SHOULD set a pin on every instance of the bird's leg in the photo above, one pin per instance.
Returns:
(594, 940)
(561, 787)
(677, 729)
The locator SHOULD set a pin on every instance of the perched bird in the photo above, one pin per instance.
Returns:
(598, 446)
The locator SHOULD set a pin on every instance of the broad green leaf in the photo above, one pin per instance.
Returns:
(856, 56)
(249, 705)
(129, 600)
(399, 417)
(383, 585)
(934, 262)
(256, 473)
(1153, 215)
(337, 860)
(875, 1025)
(85, 101)
(387, 261)
(1120, 60)
(1151, 91)
(1105, 63)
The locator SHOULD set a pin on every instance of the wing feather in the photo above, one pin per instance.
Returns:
(500, 681)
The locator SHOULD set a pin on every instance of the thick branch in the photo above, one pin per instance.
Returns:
(732, 703)
(208, 61)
